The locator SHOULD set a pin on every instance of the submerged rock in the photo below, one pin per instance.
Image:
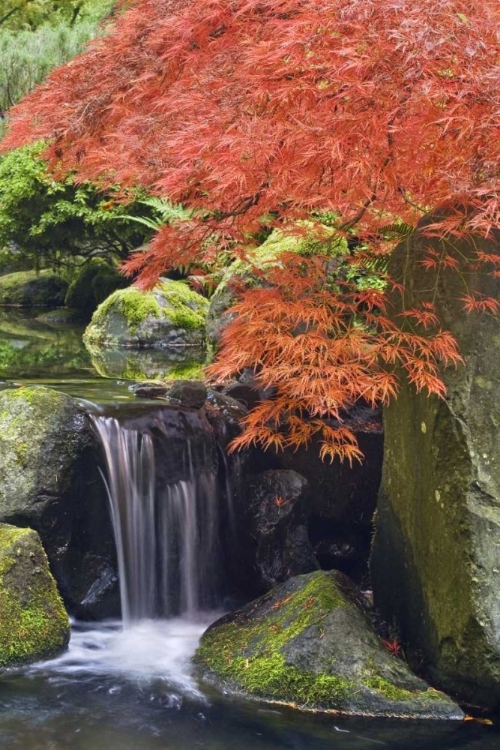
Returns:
(33, 622)
(49, 480)
(436, 555)
(309, 643)
(29, 289)
(169, 316)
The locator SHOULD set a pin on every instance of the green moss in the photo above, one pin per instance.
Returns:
(249, 653)
(388, 690)
(172, 300)
(33, 621)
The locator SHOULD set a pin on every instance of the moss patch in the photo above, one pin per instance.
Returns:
(33, 622)
(130, 313)
(248, 651)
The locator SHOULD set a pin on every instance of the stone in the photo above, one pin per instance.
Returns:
(271, 532)
(148, 364)
(310, 643)
(436, 555)
(169, 316)
(49, 481)
(29, 289)
(189, 393)
(33, 622)
(342, 498)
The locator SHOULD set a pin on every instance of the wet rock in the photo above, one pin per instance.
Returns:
(33, 622)
(151, 389)
(342, 498)
(189, 393)
(271, 532)
(309, 643)
(436, 554)
(169, 316)
(49, 481)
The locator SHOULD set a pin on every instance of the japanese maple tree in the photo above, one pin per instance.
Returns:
(252, 112)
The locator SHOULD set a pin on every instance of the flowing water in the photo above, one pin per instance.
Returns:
(129, 685)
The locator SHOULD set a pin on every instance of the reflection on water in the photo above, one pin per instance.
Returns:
(33, 350)
(134, 690)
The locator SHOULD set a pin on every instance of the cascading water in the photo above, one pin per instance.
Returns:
(160, 468)
(166, 533)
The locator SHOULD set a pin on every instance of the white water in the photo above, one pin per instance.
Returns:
(146, 651)
(166, 552)
(166, 537)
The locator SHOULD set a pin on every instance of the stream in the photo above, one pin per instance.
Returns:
(129, 685)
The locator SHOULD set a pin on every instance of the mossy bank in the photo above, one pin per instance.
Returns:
(29, 289)
(33, 622)
(171, 315)
(309, 643)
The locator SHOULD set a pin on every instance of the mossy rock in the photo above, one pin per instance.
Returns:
(33, 622)
(313, 239)
(27, 289)
(436, 552)
(168, 317)
(309, 643)
(49, 481)
(92, 285)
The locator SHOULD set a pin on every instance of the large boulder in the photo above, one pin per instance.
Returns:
(436, 555)
(49, 480)
(33, 622)
(169, 316)
(29, 289)
(310, 643)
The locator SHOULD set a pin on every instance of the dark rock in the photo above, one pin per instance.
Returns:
(342, 498)
(309, 643)
(49, 480)
(271, 533)
(33, 622)
(189, 393)
(436, 554)
(152, 389)
(245, 394)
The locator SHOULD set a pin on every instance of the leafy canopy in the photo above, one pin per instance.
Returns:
(55, 222)
(254, 111)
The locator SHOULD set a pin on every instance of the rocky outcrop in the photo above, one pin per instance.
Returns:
(29, 289)
(169, 316)
(310, 643)
(436, 555)
(49, 480)
(33, 622)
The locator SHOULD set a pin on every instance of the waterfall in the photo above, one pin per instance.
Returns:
(166, 531)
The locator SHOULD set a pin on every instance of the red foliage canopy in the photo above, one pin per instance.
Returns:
(375, 110)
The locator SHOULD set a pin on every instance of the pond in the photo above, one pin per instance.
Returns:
(133, 689)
